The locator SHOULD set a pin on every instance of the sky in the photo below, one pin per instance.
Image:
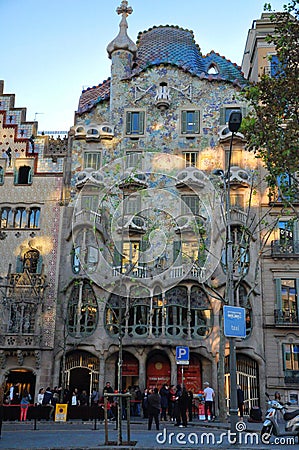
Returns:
(52, 49)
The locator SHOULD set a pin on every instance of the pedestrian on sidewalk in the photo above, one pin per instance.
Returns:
(164, 393)
(209, 396)
(154, 407)
(183, 406)
(240, 398)
(25, 400)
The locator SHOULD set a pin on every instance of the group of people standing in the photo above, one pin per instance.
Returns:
(176, 402)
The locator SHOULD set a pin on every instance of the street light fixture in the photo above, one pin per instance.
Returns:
(234, 124)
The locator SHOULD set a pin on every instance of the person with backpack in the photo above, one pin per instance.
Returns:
(25, 401)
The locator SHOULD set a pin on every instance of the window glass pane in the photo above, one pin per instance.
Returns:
(135, 123)
(190, 159)
(133, 159)
(76, 260)
(189, 251)
(190, 122)
(190, 202)
(89, 202)
(291, 356)
(130, 253)
(4, 217)
(34, 216)
(92, 160)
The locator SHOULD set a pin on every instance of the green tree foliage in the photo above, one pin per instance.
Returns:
(272, 127)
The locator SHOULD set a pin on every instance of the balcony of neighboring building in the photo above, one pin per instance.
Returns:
(291, 377)
(286, 317)
(286, 239)
(284, 249)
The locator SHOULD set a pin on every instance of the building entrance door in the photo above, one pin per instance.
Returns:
(82, 371)
(158, 371)
(24, 379)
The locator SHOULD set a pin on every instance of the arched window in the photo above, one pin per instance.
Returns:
(82, 310)
(4, 217)
(23, 175)
(34, 216)
(20, 218)
(115, 314)
(176, 303)
(138, 320)
(201, 313)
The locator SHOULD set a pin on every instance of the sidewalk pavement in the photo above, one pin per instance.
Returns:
(77, 435)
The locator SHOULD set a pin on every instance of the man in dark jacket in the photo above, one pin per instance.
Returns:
(183, 406)
(154, 406)
(164, 392)
(48, 401)
(240, 398)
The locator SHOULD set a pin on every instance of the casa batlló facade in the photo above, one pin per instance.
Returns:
(118, 244)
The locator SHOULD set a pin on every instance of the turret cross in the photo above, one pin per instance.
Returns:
(124, 8)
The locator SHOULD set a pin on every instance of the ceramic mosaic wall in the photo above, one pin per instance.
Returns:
(182, 74)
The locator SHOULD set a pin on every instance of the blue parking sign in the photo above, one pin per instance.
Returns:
(182, 355)
(234, 321)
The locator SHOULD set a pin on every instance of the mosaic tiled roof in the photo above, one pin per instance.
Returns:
(170, 45)
(93, 95)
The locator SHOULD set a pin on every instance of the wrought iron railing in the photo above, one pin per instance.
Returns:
(286, 317)
(291, 377)
(285, 248)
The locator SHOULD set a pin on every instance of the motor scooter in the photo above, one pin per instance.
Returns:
(272, 426)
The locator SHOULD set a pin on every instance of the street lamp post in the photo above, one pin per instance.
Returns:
(234, 124)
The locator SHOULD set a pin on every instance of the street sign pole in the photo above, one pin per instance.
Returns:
(182, 359)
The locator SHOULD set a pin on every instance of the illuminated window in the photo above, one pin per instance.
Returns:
(190, 159)
(291, 356)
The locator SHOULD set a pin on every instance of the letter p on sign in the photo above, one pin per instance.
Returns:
(182, 354)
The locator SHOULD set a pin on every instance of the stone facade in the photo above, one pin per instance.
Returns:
(280, 263)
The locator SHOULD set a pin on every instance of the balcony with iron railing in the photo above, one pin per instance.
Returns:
(86, 216)
(291, 377)
(286, 317)
(285, 249)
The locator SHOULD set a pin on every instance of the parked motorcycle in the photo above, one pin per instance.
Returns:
(272, 426)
